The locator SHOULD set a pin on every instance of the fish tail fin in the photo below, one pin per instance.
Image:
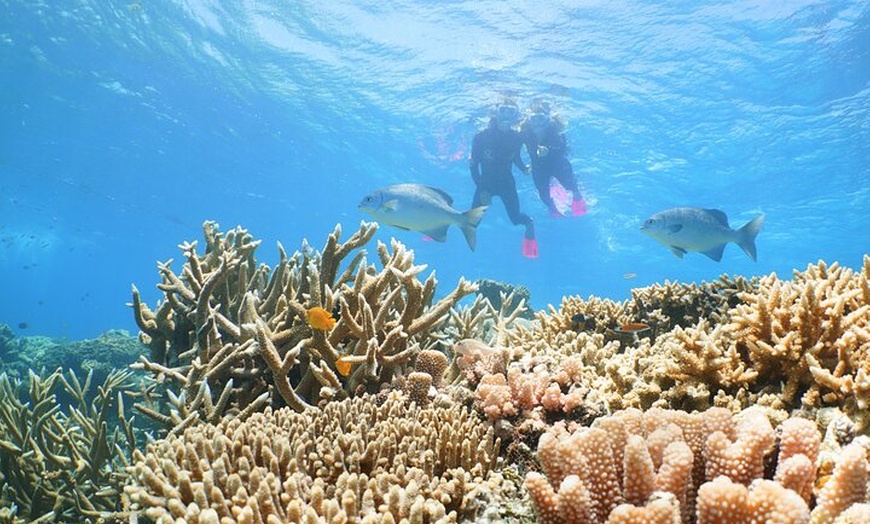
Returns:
(746, 235)
(470, 220)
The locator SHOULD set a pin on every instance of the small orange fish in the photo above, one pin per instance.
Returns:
(343, 366)
(633, 327)
(319, 318)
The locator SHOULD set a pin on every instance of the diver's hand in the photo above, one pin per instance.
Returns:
(543, 150)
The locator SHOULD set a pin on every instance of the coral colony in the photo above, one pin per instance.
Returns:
(334, 388)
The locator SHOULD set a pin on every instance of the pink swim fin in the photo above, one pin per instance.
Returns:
(578, 205)
(530, 248)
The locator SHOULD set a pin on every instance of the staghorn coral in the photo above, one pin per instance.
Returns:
(811, 333)
(803, 343)
(672, 466)
(789, 344)
(354, 461)
(232, 336)
(59, 462)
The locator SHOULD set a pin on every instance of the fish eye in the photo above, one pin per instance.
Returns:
(368, 199)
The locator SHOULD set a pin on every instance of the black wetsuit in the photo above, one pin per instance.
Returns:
(554, 164)
(493, 152)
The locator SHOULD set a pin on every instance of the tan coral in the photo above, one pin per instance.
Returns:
(856, 514)
(639, 457)
(799, 444)
(743, 459)
(59, 462)
(722, 501)
(847, 486)
(434, 363)
(783, 344)
(663, 509)
(232, 336)
(418, 388)
(354, 460)
(493, 397)
(812, 333)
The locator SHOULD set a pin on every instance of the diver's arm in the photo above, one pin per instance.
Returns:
(474, 162)
(517, 159)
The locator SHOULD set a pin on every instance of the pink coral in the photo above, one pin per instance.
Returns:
(544, 498)
(847, 485)
(741, 460)
(662, 510)
(722, 501)
(621, 466)
(528, 388)
(799, 444)
(493, 397)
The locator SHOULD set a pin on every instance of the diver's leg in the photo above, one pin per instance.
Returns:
(541, 177)
(508, 194)
(482, 197)
(565, 175)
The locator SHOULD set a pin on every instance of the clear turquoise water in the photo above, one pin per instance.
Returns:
(125, 125)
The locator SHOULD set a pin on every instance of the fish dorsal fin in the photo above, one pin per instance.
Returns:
(443, 194)
(719, 216)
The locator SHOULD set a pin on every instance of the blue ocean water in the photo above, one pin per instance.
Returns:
(125, 125)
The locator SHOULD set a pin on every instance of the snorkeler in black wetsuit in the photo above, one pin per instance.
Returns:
(545, 142)
(494, 151)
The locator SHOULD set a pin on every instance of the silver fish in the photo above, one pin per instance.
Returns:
(471, 347)
(706, 231)
(426, 209)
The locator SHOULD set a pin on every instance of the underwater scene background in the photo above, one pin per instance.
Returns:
(131, 130)
(126, 125)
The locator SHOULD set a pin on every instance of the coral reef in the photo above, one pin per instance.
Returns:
(662, 307)
(112, 350)
(707, 467)
(9, 350)
(63, 463)
(354, 461)
(504, 295)
(329, 388)
(803, 343)
(233, 336)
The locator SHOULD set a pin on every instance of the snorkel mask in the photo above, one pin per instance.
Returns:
(538, 120)
(507, 114)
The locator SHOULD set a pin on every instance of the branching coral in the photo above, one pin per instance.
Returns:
(811, 333)
(662, 307)
(735, 343)
(354, 461)
(233, 336)
(63, 462)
